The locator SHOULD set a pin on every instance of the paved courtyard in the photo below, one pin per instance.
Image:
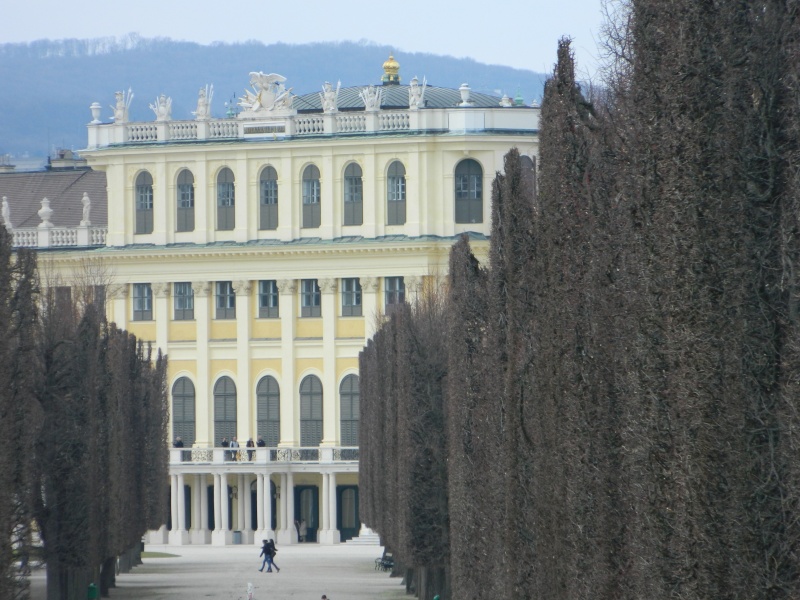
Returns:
(343, 572)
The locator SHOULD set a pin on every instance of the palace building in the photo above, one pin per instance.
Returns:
(259, 251)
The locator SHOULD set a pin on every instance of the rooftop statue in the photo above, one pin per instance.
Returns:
(162, 108)
(269, 93)
(416, 93)
(372, 98)
(121, 106)
(329, 97)
(204, 96)
(7, 214)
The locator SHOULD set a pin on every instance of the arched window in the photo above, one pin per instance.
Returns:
(396, 194)
(226, 200)
(353, 195)
(310, 411)
(348, 399)
(144, 203)
(469, 192)
(185, 201)
(183, 410)
(224, 410)
(268, 193)
(268, 400)
(311, 197)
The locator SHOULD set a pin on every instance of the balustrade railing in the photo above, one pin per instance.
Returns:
(58, 237)
(261, 456)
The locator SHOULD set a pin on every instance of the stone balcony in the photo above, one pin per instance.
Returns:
(249, 459)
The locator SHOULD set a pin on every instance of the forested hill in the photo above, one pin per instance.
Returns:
(46, 87)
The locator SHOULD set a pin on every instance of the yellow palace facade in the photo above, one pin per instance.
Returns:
(259, 252)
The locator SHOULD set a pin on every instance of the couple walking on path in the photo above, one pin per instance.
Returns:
(268, 551)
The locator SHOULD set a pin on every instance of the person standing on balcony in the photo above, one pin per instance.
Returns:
(250, 444)
(234, 444)
(225, 443)
(261, 443)
(178, 443)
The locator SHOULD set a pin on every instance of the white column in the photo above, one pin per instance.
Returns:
(240, 504)
(260, 504)
(204, 403)
(325, 537)
(370, 304)
(267, 507)
(218, 535)
(247, 532)
(178, 535)
(202, 526)
(118, 294)
(181, 502)
(162, 315)
(286, 533)
(195, 524)
(290, 516)
(330, 392)
(173, 500)
(224, 505)
(288, 310)
(332, 507)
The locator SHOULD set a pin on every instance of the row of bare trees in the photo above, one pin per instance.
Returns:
(610, 410)
(83, 429)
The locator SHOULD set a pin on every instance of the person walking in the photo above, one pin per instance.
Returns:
(268, 551)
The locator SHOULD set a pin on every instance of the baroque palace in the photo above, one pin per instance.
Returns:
(259, 251)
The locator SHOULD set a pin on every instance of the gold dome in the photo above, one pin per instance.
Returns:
(391, 71)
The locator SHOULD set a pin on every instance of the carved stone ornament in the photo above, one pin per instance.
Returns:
(44, 214)
(118, 291)
(7, 214)
(242, 287)
(201, 288)
(269, 93)
(287, 286)
(369, 284)
(327, 286)
(160, 290)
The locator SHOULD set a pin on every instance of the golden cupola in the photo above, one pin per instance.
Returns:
(391, 72)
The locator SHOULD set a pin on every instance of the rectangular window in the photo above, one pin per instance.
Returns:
(226, 300)
(268, 299)
(226, 200)
(183, 301)
(142, 302)
(395, 292)
(310, 299)
(351, 297)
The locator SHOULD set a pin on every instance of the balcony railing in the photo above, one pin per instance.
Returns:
(58, 237)
(102, 135)
(263, 456)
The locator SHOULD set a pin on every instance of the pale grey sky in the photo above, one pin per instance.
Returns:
(510, 32)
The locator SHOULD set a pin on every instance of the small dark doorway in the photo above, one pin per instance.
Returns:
(347, 520)
(306, 508)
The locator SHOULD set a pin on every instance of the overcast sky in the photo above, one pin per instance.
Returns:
(512, 32)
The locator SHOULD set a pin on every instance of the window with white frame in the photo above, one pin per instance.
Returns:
(351, 297)
(268, 299)
(185, 201)
(310, 298)
(394, 292)
(469, 192)
(144, 203)
(183, 301)
(396, 194)
(311, 197)
(142, 302)
(268, 193)
(226, 200)
(226, 300)
(353, 195)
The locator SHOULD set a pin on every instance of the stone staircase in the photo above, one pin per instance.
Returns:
(366, 537)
